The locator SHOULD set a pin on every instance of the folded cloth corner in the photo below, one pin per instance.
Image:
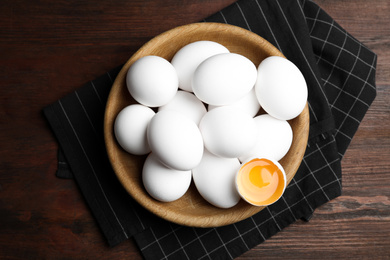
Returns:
(340, 74)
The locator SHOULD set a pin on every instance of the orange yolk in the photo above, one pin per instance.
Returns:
(260, 182)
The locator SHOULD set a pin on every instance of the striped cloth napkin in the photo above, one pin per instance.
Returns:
(340, 73)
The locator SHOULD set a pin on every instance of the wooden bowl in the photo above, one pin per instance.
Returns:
(192, 209)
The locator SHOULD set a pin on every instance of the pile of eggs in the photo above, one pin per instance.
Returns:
(197, 119)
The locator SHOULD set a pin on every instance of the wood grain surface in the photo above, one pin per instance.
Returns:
(51, 48)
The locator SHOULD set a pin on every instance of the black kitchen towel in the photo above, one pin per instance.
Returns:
(340, 73)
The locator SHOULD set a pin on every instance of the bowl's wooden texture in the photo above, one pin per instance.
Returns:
(192, 209)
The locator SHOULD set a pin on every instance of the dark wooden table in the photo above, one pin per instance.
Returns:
(51, 48)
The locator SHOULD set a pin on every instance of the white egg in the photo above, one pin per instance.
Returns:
(188, 58)
(175, 139)
(214, 178)
(228, 133)
(281, 88)
(163, 183)
(152, 81)
(248, 104)
(130, 128)
(274, 138)
(187, 104)
(224, 78)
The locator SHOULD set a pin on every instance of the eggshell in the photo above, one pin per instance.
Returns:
(163, 183)
(248, 104)
(281, 88)
(214, 178)
(175, 139)
(130, 128)
(152, 81)
(261, 181)
(187, 104)
(224, 78)
(274, 138)
(228, 133)
(188, 58)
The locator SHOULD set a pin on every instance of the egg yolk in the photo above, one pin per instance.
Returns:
(260, 182)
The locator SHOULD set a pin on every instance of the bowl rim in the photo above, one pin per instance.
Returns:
(158, 208)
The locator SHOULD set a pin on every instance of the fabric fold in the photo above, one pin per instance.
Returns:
(77, 121)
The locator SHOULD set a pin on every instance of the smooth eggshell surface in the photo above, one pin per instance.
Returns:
(162, 183)
(214, 178)
(130, 128)
(188, 58)
(274, 138)
(187, 104)
(281, 88)
(152, 81)
(228, 133)
(175, 139)
(248, 104)
(224, 78)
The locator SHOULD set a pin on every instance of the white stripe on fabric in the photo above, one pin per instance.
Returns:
(223, 17)
(345, 135)
(349, 74)
(346, 93)
(345, 50)
(178, 240)
(200, 240)
(257, 227)
(312, 111)
(158, 243)
(85, 112)
(361, 90)
(325, 41)
(139, 219)
(337, 59)
(303, 54)
(97, 94)
(269, 27)
(247, 24)
(328, 164)
(272, 215)
(288, 206)
(303, 195)
(109, 76)
(315, 20)
(312, 174)
(93, 170)
(346, 114)
(223, 244)
(355, 76)
(350, 37)
(321, 147)
(240, 236)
